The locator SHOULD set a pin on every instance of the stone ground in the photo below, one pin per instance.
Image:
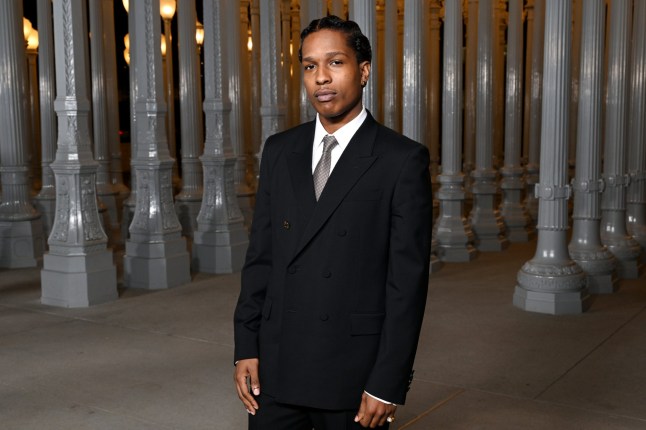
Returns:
(163, 359)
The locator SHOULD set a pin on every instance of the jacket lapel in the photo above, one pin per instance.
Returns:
(354, 161)
(299, 162)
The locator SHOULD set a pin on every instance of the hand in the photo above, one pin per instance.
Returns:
(373, 413)
(247, 382)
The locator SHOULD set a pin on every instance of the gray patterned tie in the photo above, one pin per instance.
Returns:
(322, 170)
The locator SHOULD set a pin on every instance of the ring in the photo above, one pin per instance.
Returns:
(390, 419)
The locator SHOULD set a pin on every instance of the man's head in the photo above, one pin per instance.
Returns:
(336, 65)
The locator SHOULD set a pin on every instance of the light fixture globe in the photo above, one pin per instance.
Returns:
(167, 9)
(199, 33)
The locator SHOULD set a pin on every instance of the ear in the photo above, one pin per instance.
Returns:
(365, 71)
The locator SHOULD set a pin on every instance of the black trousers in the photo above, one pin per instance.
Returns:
(272, 415)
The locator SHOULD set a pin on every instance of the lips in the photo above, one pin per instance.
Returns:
(324, 95)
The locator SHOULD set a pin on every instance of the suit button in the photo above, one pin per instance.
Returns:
(286, 225)
(342, 233)
(324, 317)
(327, 274)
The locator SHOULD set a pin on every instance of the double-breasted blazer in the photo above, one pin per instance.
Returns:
(333, 292)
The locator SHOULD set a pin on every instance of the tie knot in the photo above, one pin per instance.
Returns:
(329, 142)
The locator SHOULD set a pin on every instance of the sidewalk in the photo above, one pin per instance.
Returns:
(163, 359)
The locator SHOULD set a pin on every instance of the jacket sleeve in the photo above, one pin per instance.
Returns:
(407, 279)
(256, 271)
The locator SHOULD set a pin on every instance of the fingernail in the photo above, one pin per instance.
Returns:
(250, 412)
(256, 391)
(356, 419)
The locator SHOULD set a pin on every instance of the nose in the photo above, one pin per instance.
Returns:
(322, 76)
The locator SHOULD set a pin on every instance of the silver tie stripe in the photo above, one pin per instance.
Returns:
(322, 170)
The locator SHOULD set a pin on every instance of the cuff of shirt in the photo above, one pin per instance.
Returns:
(381, 400)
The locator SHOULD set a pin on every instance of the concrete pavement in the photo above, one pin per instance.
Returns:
(163, 359)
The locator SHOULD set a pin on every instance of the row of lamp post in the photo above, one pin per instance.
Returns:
(167, 12)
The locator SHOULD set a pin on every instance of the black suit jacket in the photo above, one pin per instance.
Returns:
(333, 292)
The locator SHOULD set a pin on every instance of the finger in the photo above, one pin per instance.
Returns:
(245, 398)
(247, 393)
(390, 412)
(362, 410)
(377, 420)
(242, 398)
(382, 420)
(243, 392)
(254, 382)
(368, 419)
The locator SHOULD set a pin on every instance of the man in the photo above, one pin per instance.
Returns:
(335, 281)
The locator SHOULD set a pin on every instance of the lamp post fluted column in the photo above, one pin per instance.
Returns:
(535, 90)
(237, 74)
(256, 91)
(636, 194)
(285, 24)
(272, 108)
(130, 203)
(392, 74)
(515, 216)
(451, 230)
(470, 94)
(414, 75)
(220, 242)
(433, 77)
(499, 24)
(245, 71)
(613, 201)
(295, 78)
(78, 270)
(485, 219)
(364, 13)
(45, 201)
(551, 282)
(585, 246)
(189, 199)
(167, 17)
(20, 223)
(577, 18)
(529, 53)
(104, 188)
(156, 255)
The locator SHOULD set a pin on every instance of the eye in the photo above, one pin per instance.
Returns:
(336, 62)
(308, 67)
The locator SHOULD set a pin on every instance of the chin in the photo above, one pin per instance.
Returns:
(332, 115)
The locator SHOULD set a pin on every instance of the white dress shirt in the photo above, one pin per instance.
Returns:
(342, 136)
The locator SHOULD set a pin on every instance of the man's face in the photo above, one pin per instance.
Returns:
(333, 77)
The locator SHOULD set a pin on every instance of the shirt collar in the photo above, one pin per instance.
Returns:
(342, 135)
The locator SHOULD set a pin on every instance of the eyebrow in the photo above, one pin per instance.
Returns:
(327, 55)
